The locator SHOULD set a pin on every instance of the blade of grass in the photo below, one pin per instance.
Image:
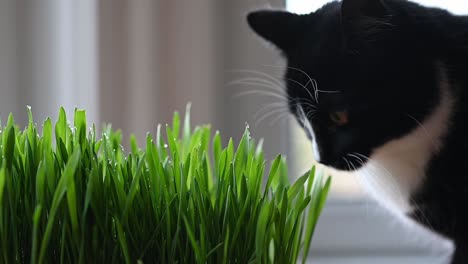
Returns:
(58, 195)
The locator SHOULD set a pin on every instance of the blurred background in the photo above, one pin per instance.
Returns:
(133, 63)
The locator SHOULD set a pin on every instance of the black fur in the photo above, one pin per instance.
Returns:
(377, 60)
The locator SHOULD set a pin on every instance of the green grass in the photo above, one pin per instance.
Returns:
(69, 197)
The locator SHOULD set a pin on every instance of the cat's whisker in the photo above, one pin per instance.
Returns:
(368, 171)
(311, 81)
(375, 170)
(347, 163)
(314, 82)
(270, 92)
(303, 86)
(268, 114)
(424, 219)
(281, 104)
(310, 114)
(315, 86)
(281, 117)
(353, 167)
(412, 201)
(308, 105)
(270, 107)
(260, 92)
(247, 84)
(303, 116)
(316, 91)
(367, 176)
(330, 92)
(373, 164)
(271, 85)
(274, 83)
(302, 103)
(275, 79)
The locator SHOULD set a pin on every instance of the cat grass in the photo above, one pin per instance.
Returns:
(69, 196)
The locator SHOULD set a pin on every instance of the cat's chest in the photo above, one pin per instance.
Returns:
(393, 173)
(397, 169)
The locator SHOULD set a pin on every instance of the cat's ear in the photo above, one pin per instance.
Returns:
(352, 10)
(278, 27)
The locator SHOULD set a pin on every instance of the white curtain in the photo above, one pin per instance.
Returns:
(47, 57)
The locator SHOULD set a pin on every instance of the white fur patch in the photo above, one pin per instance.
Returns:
(308, 127)
(315, 148)
(396, 169)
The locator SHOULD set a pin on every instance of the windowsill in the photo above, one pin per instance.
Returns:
(418, 259)
(361, 231)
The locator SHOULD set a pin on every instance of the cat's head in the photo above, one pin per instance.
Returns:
(360, 73)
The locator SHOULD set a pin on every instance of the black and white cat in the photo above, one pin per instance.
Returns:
(381, 88)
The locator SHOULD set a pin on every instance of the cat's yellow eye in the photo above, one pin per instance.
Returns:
(340, 118)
